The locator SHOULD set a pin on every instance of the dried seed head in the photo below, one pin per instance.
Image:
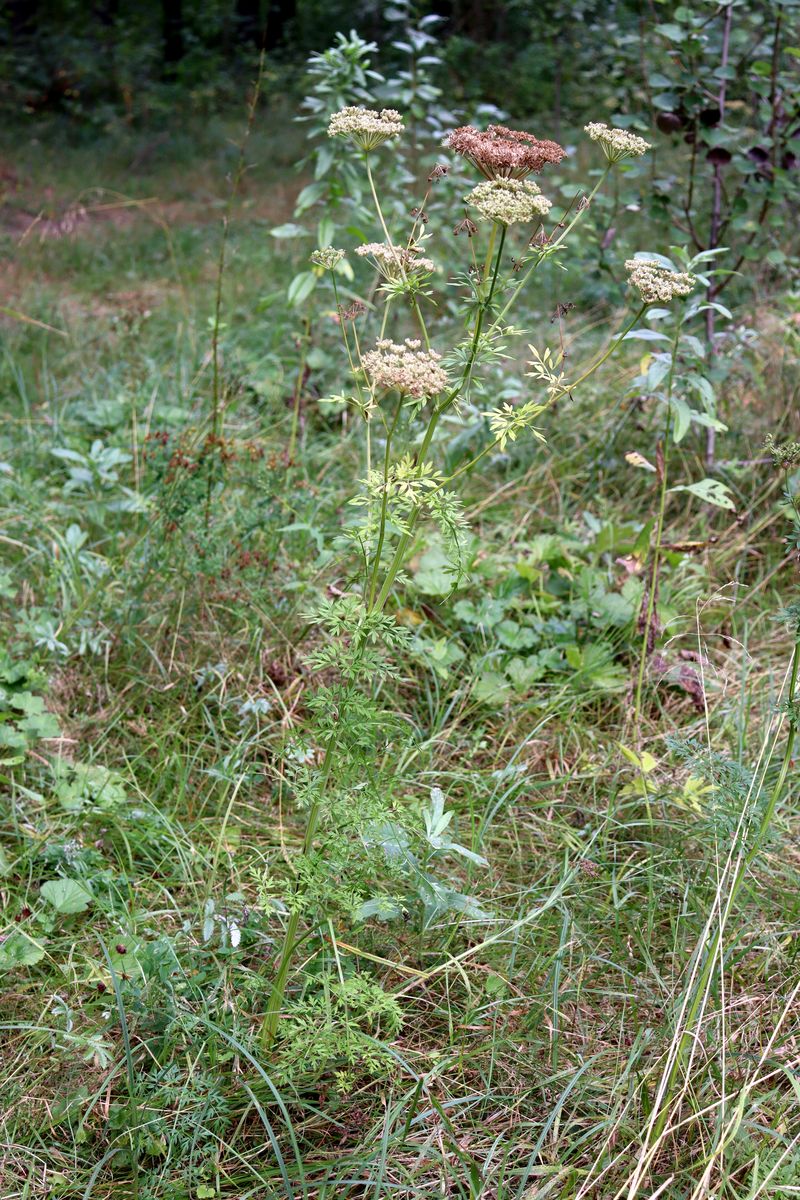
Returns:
(617, 143)
(508, 201)
(466, 226)
(502, 153)
(367, 127)
(356, 309)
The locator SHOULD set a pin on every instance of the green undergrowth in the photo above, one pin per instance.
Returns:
(501, 1027)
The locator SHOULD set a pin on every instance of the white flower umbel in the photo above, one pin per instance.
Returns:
(367, 127)
(656, 283)
(395, 262)
(509, 201)
(409, 369)
(617, 143)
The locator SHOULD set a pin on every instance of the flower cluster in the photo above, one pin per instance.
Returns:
(508, 201)
(367, 127)
(655, 282)
(617, 143)
(328, 257)
(413, 371)
(395, 262)
(502, 153)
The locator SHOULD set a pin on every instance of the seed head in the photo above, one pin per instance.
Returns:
(508, 201)
(655, 282)
(356, 309)
(617, 143)
(409, 369)
(328, 257)
(502, 153)
(785, 455)
(367, 127)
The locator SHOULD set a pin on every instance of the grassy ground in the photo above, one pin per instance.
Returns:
(153, 597)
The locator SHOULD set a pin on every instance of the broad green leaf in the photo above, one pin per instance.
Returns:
(645, 335)
(712, 491)
(682, 418)
(301, 288)
(643, 762)
(491, 687)
(326, 231)
(383, 908)
(515, 636)
(524, 672)
(310, 195)
(19, 950)
(289, 230)
(434, 574)
(67, 895)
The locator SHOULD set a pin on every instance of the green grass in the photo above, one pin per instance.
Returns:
(534, 1039)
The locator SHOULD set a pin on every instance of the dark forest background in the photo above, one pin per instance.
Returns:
(90, 60)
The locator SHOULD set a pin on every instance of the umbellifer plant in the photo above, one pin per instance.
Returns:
(402, 386)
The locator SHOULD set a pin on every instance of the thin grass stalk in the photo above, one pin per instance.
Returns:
(217, 405)
(740, 874)
(662, 504)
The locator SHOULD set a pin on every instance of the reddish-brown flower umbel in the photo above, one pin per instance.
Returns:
(502, 153)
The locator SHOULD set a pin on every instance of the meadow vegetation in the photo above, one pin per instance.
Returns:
(398, 697)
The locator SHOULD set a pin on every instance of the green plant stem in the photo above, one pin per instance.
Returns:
(559, 395)
(384, 503)
(217, 406)
(490, 250)
(298, 389)
(745, 862)
(351, 360)
(269, 1025)
(402, 545)
(389, 242)
(662, 504)
(345, 339)
(551, 247)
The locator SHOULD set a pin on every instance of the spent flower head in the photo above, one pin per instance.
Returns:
(785, 455)
(367, 127)
(617, 143)
(395, 262)
(508, 201)
(327, 257)
(656, 283)
(408, 368)
(502, 153)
